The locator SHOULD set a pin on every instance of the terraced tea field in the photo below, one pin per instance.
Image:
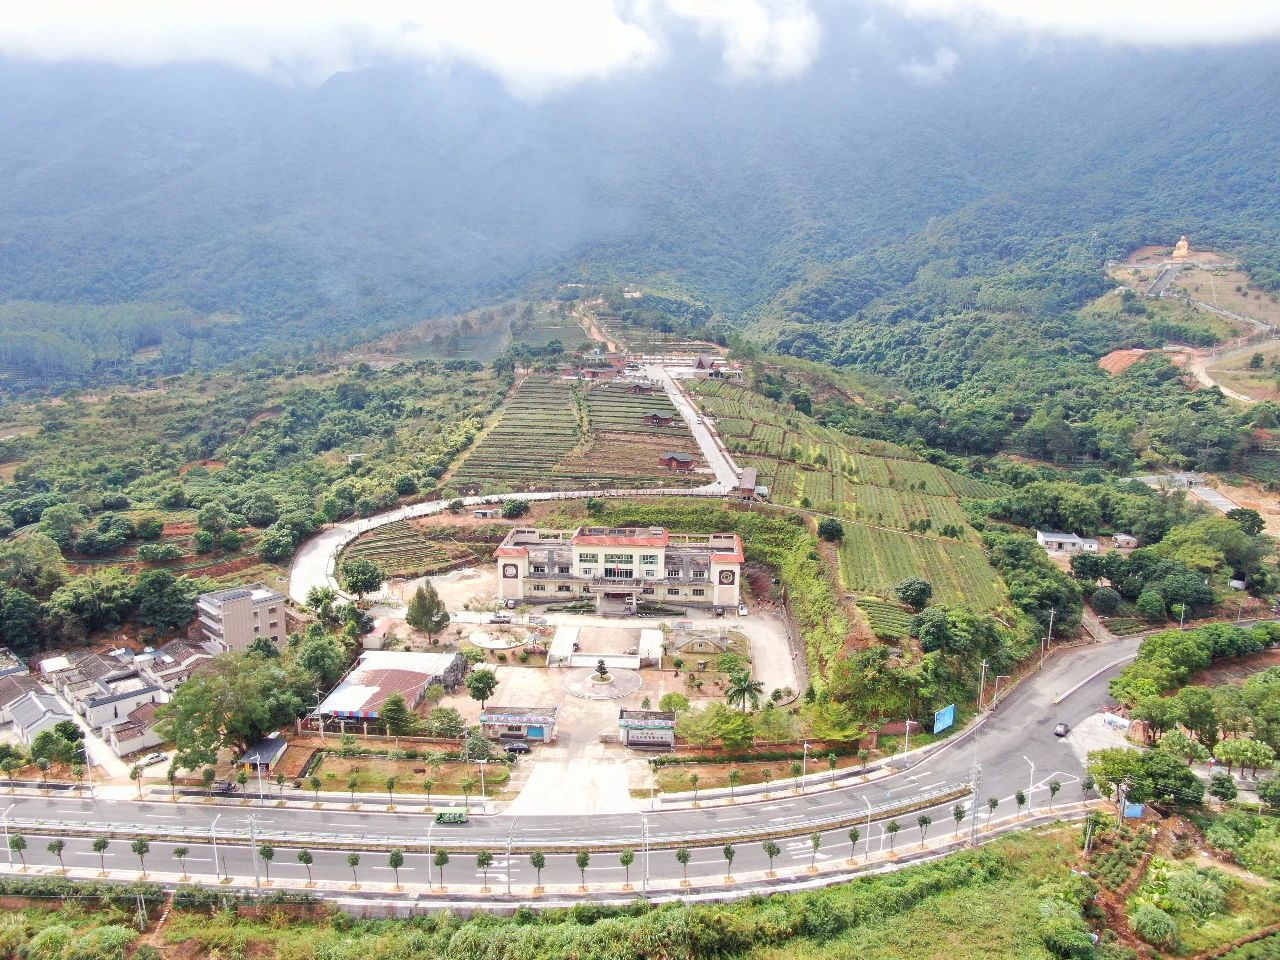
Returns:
(406, 548)
(875, 561)
(888, 621)
(555, 434)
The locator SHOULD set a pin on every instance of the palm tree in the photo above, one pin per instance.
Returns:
(729, 853)
(892, 828)
(353, 861)
(538, 861)
(992, 803)
(815, 841)
(441, 860)
(924, 821)
(100, 848)
(180, 853)
(582, 859)
(267, 853)
(305, 858)
(56, 847)
(742, 690)
(627, 858)
(18, 844)
(683, 856)
(141, 848)
(484, 860)
(771, 850)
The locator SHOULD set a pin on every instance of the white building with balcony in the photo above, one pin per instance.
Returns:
(618, 569)
(236, 617)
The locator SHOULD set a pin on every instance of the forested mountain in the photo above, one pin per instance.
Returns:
(261, 215)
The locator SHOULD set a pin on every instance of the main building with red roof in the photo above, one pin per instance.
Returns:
(620, 567)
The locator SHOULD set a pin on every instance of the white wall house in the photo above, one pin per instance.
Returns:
(1057, 542)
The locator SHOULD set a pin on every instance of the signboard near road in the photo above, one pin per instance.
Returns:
(944, 718)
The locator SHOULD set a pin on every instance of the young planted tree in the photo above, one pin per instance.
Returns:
(992, 803)
(100, 848)
(391, 791)
(353, 861)
(1054, 787)
(426, 612)
(832, 761)
(467, 785)
(728, 853)
(582, 860)
(140, 849)
(1020, 799)
(892, 828)
(56, 847)
(854, 836)
(538, 861)
(267, 853)
(484, 860)
(441, 860)
(693, 782)
(352, 783)
(815, 841)
(771, 850)
(180, 854)
(18, 844)
(305, 858)
(627, 858)
(481, 684)
(1087, 784)
(766, 775)
(797, 768)
(427, 786)
(44, 764)
(242, 778)
(957, 813)
(207, 777)
(735, 777)
(135, 774)
(683, 856)
(170, 775)
(924, 821)
(395, 860)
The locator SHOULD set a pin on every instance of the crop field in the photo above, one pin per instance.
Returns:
(638, 339)
(408, 549)
(888, 621)
(875, 561)
(554, 434)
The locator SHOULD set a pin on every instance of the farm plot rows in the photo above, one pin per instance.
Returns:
(611, 406)
(875, 561)
(888, 621)
(404, 548)
(538, 426)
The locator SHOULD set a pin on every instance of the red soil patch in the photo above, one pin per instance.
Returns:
(266, 415)
(1118, 361)
(207, 464)
(179, 529)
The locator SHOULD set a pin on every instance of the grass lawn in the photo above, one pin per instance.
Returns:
(675, 779)
(371, 775)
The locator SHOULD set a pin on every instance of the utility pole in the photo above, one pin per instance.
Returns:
(213, 833)
(253, 850)
(867, 853)
(804, 765)
(1044, 650)
(1031, 782)
(975, 781)
(644, 833)
(8, 849)
(510, 837)
(982, 684)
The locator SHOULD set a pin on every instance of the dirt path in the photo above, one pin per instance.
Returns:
(1200, 363)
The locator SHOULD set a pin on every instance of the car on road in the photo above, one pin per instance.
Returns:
(452, 815)
(500, 618)
(1061, 730)
(228, 786)
(697, 419)
(152, 759)
(742, 609)
(718, 611)
(518, 746)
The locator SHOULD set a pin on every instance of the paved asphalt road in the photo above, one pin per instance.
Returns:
(1022, 727)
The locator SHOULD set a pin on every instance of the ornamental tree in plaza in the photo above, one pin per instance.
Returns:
(362, 577)
(481, 684)
(426, 611)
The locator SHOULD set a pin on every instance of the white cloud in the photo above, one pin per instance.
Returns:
(934, 70)
(535, 46)
(1165, 23)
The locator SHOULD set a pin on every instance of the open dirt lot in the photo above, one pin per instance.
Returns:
(1228, 290)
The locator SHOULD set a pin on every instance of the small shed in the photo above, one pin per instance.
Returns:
(673, 460)
(520, 723)
(264, 754)
(747, 484)
(648, 728)
(488, 513)
(656, 418)
(1126, 541)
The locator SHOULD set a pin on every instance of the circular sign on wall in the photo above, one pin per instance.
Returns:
(727, 577)
(510, 571)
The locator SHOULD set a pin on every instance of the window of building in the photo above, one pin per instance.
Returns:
(272, 609)
(256, 628)
(538, 568)
(699, 593)
(673, 591)
(650, 558)
(588, 558)
(618, 573)
(673, 573)
(699, 574)
(650, 574)
(564, 588)
(618, 558)
(648, 590)
(273, 624)
(563, 570)
(588, 571)
(539, 587)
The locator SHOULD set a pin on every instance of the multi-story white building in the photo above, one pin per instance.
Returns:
(620, 568)
(236, 617)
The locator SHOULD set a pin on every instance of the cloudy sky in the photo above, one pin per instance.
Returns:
(537, 46)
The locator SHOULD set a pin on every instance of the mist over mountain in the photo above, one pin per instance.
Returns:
(319, 214)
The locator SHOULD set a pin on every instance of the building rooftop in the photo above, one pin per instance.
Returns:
(266, 751)
(380, 673)
(33, 707)
(662, 717)
(10, 662)
(515, 715)
(254, 591)
(141, 719)
(675, 455)
(15, 686)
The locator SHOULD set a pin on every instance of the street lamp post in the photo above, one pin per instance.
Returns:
(982, 684)
(644, 834)
(804, 766)
(253, 850)
(867, 852)
(8, 849)
(510, 838)
(1030, 781)
(213, 833)
(430, 826)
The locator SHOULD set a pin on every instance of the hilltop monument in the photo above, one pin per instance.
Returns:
(1181, 249)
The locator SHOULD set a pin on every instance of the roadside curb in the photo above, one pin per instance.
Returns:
(1093, 676)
